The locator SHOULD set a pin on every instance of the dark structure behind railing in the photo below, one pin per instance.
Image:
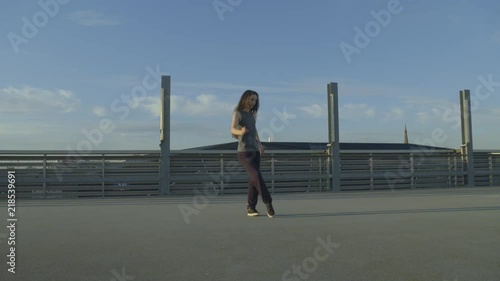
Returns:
(57, 174)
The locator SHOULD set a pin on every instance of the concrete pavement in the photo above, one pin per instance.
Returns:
(431, 235)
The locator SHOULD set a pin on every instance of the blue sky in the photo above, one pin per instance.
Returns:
(68, 75)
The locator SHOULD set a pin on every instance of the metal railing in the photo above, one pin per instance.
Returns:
(400, 170)
(59, 174)
(220, 171)
(56, 174)
(487, 168)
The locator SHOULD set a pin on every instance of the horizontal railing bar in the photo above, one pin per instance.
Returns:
(415, 151)
(79, 153)
(266, 154)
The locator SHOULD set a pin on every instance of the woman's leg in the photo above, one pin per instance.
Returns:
(264, 192)
(262, 187)
(245, 159)
(257, 181)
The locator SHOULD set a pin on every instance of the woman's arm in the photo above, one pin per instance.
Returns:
(235, 123)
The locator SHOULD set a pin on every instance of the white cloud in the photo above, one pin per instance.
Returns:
(314, 110)
(437, 114)
(30, 99)
(92, 18)
(423, 117)
(206, 105)
(394, 114)
(285, 115)
(203, 104)
(152, 105)
(356, 111)
(99, 111)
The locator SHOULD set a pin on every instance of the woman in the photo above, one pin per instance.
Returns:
(250, 149)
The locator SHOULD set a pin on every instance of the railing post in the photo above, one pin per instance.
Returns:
(449, 171)
(491, 169)
(467, 144)
(222, 174)
(44, 176)
(102, 175)
(272, 173)
(412, 171)
(165, 136)
(370, 161)
(320, 174)
(333, 135)
(328, 171)
(464, 175)
(310, 170)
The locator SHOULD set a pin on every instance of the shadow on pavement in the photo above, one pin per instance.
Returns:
(388, 212)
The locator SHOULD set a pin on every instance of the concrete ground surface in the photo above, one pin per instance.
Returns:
(424, 235)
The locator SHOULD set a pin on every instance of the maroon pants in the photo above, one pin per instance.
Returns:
(256, 185)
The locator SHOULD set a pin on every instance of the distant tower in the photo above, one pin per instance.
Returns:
(406, 136)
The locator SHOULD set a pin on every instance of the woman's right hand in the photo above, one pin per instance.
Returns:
(244, 130)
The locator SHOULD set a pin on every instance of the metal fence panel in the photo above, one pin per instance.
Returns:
(58, 174)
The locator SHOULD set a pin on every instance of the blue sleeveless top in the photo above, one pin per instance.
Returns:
(247, 142)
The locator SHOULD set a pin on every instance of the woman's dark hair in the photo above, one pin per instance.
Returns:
(245, 99)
